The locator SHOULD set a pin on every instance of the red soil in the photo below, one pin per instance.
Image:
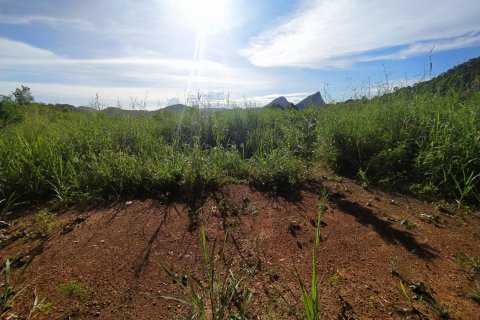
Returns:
(365, 251)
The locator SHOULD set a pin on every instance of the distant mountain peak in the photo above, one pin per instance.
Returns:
(281, 102)
(311, 101)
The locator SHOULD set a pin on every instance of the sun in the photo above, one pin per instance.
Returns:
(206, 16)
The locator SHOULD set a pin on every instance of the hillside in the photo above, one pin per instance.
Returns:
(463, 79)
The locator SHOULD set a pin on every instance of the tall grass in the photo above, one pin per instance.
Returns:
(430, 144)
(426, 143)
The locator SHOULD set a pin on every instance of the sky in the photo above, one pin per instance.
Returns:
(152, 53)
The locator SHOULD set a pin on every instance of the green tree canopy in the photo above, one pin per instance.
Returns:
(23, 95)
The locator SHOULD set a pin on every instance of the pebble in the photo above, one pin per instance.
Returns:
(4, 225)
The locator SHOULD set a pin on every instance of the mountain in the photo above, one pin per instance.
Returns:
(311, 101)
(113, 111)
(280, 102)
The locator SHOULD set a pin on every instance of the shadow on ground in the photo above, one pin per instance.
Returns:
(385, 229)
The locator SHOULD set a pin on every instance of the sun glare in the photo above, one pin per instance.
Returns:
(207, 16)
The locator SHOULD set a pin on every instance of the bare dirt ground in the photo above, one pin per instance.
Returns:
(370, 242)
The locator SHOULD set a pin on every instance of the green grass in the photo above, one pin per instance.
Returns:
(424, 143)
(74, 290)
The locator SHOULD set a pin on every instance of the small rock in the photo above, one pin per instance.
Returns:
(102, 241)
(369, 204)
(4, 225)
(128, 203)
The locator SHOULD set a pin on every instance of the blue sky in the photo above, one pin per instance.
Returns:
(158, 51)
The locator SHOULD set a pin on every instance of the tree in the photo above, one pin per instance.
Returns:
(23, 95)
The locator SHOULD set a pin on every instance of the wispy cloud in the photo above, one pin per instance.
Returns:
(51, 21)
(120, 78)
(337, 34)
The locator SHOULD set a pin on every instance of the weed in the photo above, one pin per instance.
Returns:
(475, 294)
(373, 302)
(405, 293)
(74, 290)
(334, 279)
(394, 266)
(465, 185)
(46, 219)
(362, 175)
(7, 293)
(220, 295)
(471, 264)
(39, 307)
(407, 224)
(310, 299)
(7, 204)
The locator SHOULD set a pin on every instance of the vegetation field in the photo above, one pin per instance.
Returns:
(370, 159)
(426, 143)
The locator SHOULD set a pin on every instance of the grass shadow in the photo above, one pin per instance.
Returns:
(385, 229)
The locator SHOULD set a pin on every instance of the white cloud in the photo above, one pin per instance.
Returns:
(51, 21)
(54, 77)
(338, 33)
(17, 51)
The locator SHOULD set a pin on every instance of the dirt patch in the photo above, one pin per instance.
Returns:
(371, 242)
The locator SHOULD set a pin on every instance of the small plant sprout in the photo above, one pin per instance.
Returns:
(74, 290)
(405, 294)
(334, 279)
(46, 219)
(310, 299)
(220, 295)
(7, 293)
